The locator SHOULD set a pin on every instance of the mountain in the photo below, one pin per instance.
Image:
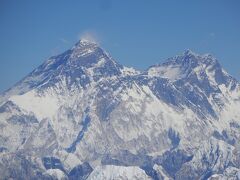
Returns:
(82, 115)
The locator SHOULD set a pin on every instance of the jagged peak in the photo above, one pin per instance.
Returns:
(84, 60)
(185, 64)
(188, 52)
(85, 47)
(191, 58)
(85, 43)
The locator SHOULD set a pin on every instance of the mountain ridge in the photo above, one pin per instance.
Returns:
(91, 46)
(81, 113)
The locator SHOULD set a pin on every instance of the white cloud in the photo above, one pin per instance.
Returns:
(90, 36)
(65, 41)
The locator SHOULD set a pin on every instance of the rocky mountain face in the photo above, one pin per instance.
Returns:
(81, 115)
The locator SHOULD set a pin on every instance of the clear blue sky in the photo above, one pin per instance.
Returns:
(137, 33)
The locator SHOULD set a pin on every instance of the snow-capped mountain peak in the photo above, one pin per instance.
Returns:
(87, 41)
(189, 52)
(81, 115)
(185, 65)
(192, 59)
(84, 63)
(84, 47)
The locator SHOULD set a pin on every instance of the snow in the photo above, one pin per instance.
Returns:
(118, 172)
(70, 160)
(45, 106)
(160, 171)
(83, 48)
(231, 173)
(170, 72)
(100, 62)
(128, 71)
(211, 76)
(58, 174)
(154, 114)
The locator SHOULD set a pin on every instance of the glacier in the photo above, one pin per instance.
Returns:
(82, 115)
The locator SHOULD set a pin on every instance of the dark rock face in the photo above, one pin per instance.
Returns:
(85, 124)
(151, 172)
(20, 167)
(174, 137)
(224, 136)
(52, 163)
(172, 161)
(8, 106)
(80, 172)
(126, 158)
(2, 149)
(235, 125)
(23, 119)
(105, 107)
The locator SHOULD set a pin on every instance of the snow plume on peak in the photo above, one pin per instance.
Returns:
(89, 37)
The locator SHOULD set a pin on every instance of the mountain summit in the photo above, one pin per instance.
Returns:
(84, 62)
(82, 115)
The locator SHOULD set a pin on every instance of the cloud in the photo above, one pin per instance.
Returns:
(90, 36)
(65, 41)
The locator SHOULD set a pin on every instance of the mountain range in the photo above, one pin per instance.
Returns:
(82, 115)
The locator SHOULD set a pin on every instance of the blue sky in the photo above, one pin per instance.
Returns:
(136, 33)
